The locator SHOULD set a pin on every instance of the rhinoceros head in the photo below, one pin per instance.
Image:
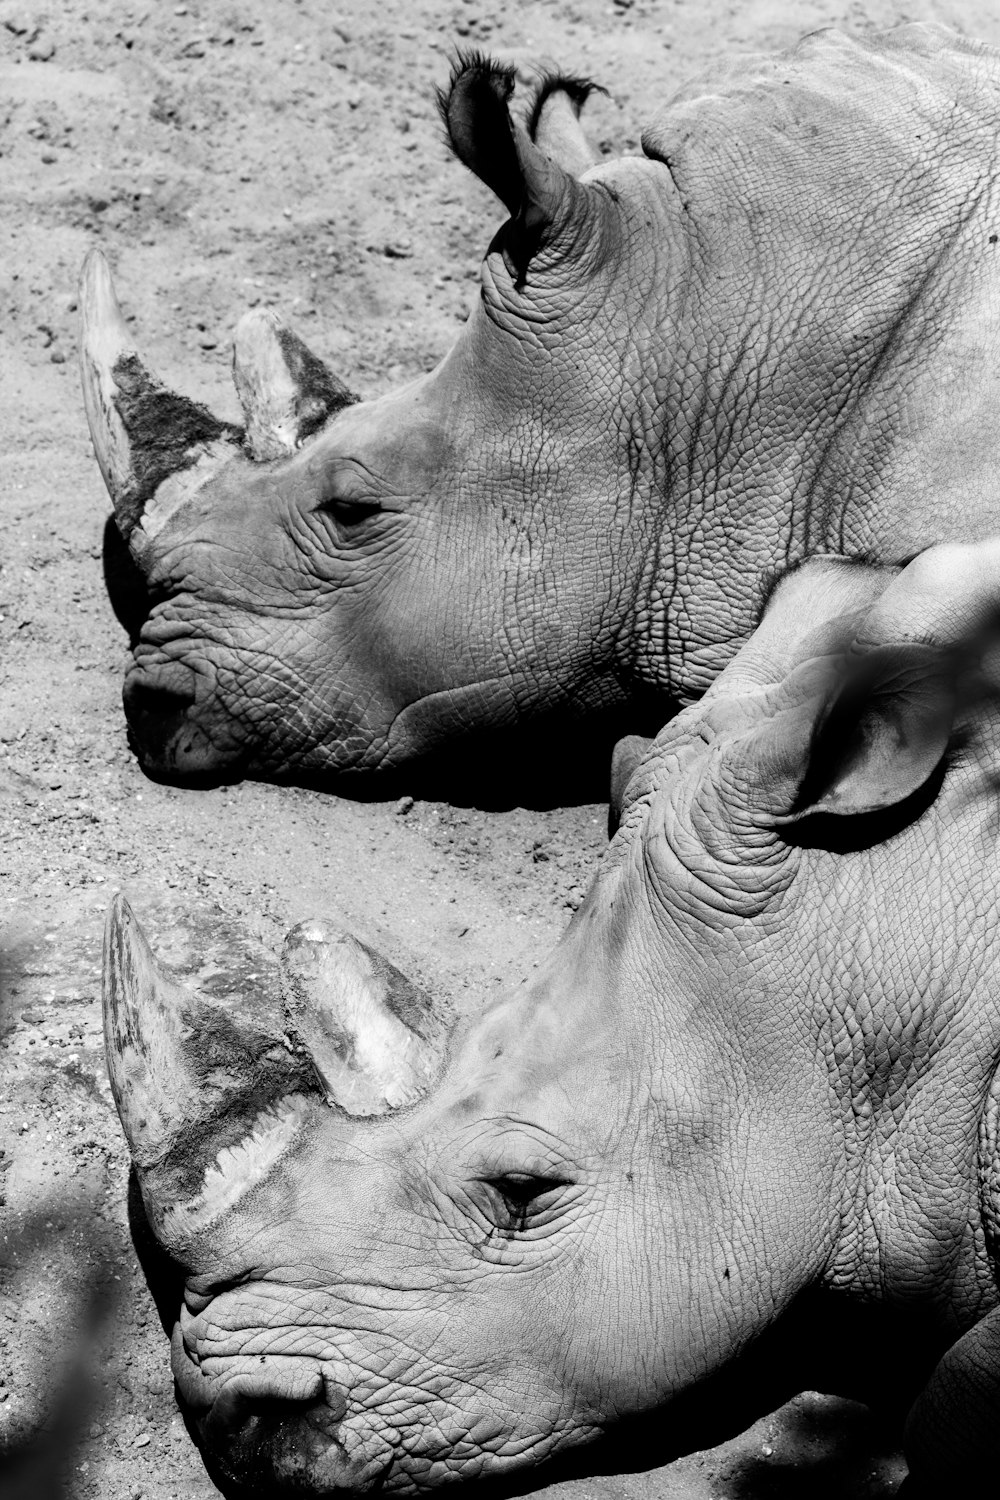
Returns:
(393, 1278)
(343, 585)
(406, 1268)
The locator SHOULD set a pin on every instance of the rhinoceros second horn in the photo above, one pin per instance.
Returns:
(143, 433)
(373, 1035)
(285, 390)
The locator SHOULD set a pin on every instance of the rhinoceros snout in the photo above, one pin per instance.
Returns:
(167, 739)
(276, 1447)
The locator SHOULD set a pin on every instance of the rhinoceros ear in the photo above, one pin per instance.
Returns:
(881, 732)
(912, 669)
(554, 121)
(538, 193)
(625, 759)
(144, 434)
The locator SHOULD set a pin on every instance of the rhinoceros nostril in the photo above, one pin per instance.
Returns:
(165, 694)
(155, 714)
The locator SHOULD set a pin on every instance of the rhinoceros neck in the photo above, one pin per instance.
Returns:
(828, 369)
(912, 1046)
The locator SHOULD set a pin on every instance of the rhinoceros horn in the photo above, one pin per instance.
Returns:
(211, 1103)
(373, 1036)
(285, 390)
(148, 440)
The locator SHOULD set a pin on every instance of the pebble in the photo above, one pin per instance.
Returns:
(143, 1440)
(41, 51)
(403, 806)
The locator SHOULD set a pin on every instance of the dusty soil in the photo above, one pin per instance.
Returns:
(283, 152)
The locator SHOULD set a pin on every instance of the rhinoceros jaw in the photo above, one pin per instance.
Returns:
(235, 1172)
(285, 390)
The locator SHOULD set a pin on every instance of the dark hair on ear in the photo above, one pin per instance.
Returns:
(479, 73)
(578, 90)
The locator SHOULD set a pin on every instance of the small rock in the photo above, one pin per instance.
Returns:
(41, 51)
(143, 1440)
(403, 806)
(57, 357)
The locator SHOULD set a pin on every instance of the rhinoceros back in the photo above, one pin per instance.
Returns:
(841, 198)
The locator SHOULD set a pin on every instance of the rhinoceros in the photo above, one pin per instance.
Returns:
(757, 1074)
(774, 333)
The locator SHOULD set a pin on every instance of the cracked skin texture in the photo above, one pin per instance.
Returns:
(773, 334)
(760, 1064)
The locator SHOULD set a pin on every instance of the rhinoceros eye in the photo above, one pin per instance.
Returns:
(347, 512)
(519, 1194)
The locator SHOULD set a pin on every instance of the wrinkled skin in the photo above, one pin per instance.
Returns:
(775, 333)
(760, 1061)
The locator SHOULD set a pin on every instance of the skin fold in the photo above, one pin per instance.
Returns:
(775, 333)
(760, 1065)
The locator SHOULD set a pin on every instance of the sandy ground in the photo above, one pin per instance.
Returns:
(225, 155)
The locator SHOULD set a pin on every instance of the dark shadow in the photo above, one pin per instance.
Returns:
(38, 1465)
(562, 762)
(164, 1276)
(124, 582)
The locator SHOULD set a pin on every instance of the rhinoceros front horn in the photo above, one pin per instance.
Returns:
(211, 1102)
(143, 433)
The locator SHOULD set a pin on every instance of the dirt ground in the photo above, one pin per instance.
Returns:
(286, 153)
